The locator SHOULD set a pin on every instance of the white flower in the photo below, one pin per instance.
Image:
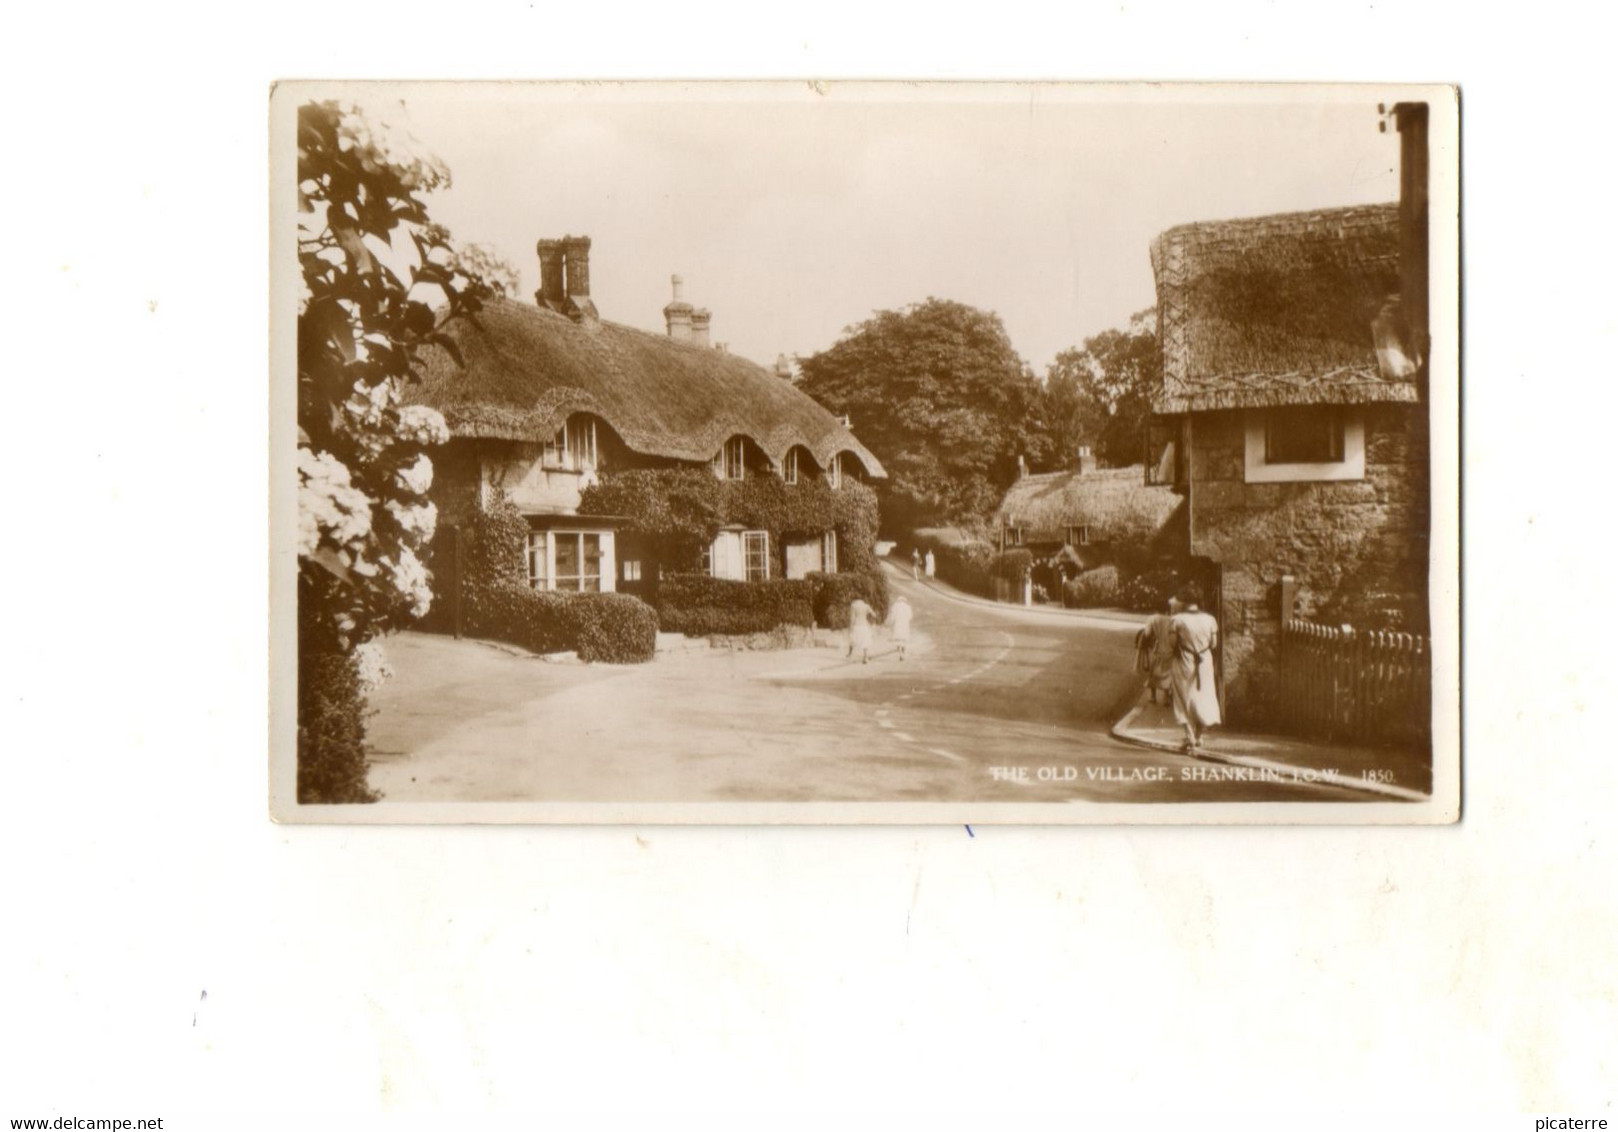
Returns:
(411, 580)
(330, 508)
(373, 666)
(422, 425)
(417, 477)
(416, 520)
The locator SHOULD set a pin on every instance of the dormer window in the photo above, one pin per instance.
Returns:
(834, 472)
(573, 448)
(1078, 536)
(789, 470)
(731, 463)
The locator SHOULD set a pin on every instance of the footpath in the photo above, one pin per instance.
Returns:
(1393, 773)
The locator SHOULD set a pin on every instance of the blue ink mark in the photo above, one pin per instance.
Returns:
(969, 832)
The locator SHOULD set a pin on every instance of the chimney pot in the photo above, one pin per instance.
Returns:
(699, 326)
(1087, 460)
(679, 315)
(576, 257)
(552, 293)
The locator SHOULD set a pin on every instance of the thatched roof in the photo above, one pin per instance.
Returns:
(1276, 310)
(1112, 503)
(528, 369)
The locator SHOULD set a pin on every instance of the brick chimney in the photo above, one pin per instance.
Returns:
(678, 313)
(699, 326)
(1087, 460)
(552, 294)
(783, 367)
(576, 258)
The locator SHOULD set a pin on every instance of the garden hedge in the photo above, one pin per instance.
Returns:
(700, 606)
(611, 628)
(1098, 587)
(331, 730)
(833, 593)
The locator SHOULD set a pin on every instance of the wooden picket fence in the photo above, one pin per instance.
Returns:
(1363, 686)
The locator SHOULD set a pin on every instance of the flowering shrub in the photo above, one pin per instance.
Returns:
(364, 520)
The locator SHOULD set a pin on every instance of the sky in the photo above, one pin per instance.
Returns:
(793, 213)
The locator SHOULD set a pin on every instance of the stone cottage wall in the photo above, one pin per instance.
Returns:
(1358, 549)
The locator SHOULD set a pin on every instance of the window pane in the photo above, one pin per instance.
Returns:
(567, 556)
(592, 556)
(757, 545)
(1303, 436)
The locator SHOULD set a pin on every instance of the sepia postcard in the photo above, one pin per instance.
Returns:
(867, 452)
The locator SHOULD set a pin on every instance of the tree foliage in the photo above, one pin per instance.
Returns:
(939, 394)
(1100, 394)
(363, 473)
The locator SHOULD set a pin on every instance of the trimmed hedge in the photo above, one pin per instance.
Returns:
(833, 593)
(1151, 591)
(1092, 588)
(701, 607)
(611, 628)
(331, 730)
(1013, 565)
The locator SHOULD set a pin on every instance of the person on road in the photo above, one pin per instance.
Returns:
(1196, 695)
(898, 621)
(915, 565)
(859, 629)
(930, 563)
(1154, 652)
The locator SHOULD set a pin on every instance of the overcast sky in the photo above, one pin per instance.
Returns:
(793, 214)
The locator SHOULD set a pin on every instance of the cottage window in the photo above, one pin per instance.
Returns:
(789, 471)
(706, 565)
(632, 570)
(731, 463)
(834, 472)
(1304, 444)
(756, 553)
(1310, 435)
(578, 561)
(574, 446)
(538, 558)
(828, 552)
(1078, 536)
(1014, 536)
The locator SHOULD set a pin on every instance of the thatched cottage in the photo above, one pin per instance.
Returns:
(1291, 416)
(1086, 517)
(548, 396)
(1293, 421)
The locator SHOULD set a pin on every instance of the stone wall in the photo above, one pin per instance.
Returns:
(1358, 549)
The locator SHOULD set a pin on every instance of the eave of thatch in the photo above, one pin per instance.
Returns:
(1111, 503)
(527, 370)
(1276, 310)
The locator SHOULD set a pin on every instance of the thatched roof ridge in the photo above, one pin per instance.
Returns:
(528, 369)
(1276, 310)
(1111, 502)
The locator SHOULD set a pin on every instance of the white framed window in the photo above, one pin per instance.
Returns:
(632, 570)
(573, 448)
(756, 555)
(828, 552)
(537, 552)
(834, 472)
(789, 470)
(1078, 536)
(577, 558)
(707, 560)
(731, 462)
(1305, 443)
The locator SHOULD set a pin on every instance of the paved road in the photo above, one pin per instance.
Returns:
(994, 704)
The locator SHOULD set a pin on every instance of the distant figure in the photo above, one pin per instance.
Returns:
(859, 629)
(930, 564)
(899, 614)
(1154, 652)
(915, 564)
(1196, 695)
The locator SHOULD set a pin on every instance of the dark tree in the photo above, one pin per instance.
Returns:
(938, 393)
(1100, 394)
